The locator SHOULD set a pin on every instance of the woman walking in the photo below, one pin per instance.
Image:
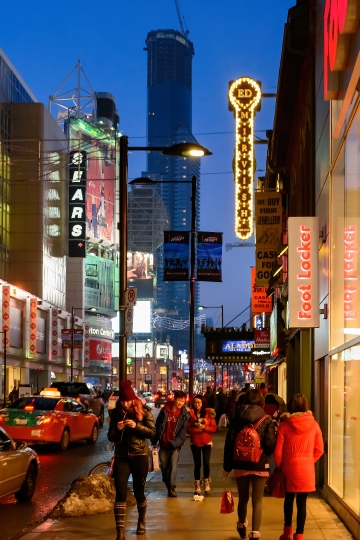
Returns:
(131, 424)
(201, 426)
(250, 416)
(299, 445)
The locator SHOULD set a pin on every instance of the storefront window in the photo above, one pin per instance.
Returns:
(344, 463)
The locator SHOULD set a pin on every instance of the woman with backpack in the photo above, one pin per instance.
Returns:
(250, 440)
(201, 426)
(299, 445)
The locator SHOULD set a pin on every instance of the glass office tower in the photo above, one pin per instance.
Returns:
(169, 89)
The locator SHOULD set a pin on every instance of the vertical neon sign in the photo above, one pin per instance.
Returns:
(244, 98)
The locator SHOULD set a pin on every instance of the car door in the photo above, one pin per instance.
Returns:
(13, 466)
(80, 420)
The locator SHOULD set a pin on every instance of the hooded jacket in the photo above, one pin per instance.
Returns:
(180, 428)
(131, 441)
(299, 445)
(201, 437)
(244, 416)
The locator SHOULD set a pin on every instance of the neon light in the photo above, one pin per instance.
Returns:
(350, 265)
(244, 96)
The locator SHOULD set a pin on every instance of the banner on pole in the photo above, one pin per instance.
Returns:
(176, 256)
(268, 213)
(209, 256)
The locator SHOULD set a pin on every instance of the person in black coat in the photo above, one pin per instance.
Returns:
(246, 472)
(131, 425)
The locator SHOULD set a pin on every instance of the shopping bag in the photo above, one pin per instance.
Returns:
(153, 460)
(227, 502)
(223, 421)
(276, 483)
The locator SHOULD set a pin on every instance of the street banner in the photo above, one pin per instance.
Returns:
(6, 315)
(259, 302)
(54, 333)
(87, 345)
(77, 340)
(303, 234)
(268, 217)
(209, 256)
(176, 256)
(33, 327)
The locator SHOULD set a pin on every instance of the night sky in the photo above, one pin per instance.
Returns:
(45, 39)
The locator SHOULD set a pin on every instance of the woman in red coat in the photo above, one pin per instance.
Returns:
(299, 445)
(201, 426)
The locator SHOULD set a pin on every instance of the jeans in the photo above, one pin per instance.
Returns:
(243, 485)
(301, 510)
(168, 462)
(206, 452)
(137, 466)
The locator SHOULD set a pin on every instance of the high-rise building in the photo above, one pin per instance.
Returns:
(169, 108)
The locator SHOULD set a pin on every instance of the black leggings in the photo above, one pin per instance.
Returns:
(258, 485)
(206, 452)
(138, 467)
(301, 510)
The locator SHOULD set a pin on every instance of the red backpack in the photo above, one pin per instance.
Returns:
(247, 445)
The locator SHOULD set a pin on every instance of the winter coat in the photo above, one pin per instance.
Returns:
(180, 428)
(201, 437)
(299, 445)
(249, 415)
(230, 406)
(131, 441)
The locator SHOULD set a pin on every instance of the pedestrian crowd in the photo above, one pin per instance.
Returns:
(262, 433)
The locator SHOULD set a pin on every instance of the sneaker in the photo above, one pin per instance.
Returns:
(172, 492)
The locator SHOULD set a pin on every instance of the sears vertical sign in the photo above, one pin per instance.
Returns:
(303, 272)
(77, 203)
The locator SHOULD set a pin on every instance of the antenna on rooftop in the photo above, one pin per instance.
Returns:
(185, 32)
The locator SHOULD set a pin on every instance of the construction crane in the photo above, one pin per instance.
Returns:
(181, 20)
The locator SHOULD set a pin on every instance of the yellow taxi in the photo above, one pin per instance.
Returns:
(49, 418)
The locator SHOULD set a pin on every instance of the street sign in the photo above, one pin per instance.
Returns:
(129, 312)
(148, 378)
(130, 296)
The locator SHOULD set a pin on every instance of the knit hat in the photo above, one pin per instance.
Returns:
(126, 393)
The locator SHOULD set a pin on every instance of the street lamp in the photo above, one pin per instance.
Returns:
(215, 307)
(181, 149)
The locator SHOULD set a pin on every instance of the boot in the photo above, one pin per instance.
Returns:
(141, 525)
(241, 529)
(206, 482)
(197, 489)
(254, 534)
(287, 534)
(299, 536)
(119, 513)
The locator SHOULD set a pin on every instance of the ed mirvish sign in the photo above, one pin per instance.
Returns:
(244, 99)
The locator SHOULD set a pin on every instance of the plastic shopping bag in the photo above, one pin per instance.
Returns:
(223, 421)
(153, 460)
(276, 484)
(227, 502)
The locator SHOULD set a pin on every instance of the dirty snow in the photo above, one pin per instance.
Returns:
(89, 495)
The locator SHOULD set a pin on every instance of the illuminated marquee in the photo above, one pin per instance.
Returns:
(341, 19)
(303, 272)
(244, 97)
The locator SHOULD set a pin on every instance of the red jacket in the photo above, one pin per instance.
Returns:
(200, 437)
(299, 445)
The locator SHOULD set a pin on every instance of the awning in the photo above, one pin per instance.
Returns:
(274, 361)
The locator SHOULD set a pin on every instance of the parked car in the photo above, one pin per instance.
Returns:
(49, 418)
(160, 398)
(84, 393)
(19, 468)
(115, 396)
(148, 396)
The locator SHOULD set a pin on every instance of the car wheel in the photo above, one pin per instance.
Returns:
(101, 418)
(94, 435)
(65, 439)
(27, 489)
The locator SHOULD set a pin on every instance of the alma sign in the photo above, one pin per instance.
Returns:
(341, 19)
(303, 272)
(244, 98)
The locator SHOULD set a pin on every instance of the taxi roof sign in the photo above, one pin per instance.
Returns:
(50, 392)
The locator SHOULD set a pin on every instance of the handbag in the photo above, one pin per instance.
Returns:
(223, 421)
(276, 483)
(227, 501)
(153, 460)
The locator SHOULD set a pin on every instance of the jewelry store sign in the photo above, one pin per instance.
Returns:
(303, 272)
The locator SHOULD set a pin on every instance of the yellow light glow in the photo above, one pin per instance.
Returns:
(194, 153)
(244, 96)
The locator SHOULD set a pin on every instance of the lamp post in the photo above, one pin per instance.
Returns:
(4, 356)
(181, 149)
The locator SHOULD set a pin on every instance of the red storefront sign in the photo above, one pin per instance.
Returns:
(262, 339)
(100, 350)
(259, 302)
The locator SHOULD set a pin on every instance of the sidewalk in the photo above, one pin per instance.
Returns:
(183, 518)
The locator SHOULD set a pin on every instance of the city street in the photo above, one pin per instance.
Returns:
(58, 470)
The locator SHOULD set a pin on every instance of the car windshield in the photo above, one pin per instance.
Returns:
(70, 390)
(34, 403)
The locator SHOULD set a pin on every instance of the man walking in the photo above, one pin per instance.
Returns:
(171, 426)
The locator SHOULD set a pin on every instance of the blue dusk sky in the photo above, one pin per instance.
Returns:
(232, 38)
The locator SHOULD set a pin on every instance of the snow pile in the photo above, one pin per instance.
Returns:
(89, 495)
